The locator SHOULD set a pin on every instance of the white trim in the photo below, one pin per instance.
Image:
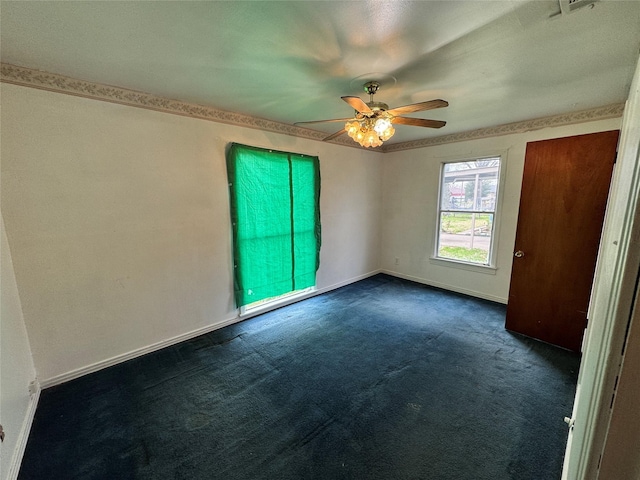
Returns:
(79, 372)
(298, 298)
(109, 362)
(277, 302)
(23, 436)
(612, 303)
(472, 267)
(445, 286)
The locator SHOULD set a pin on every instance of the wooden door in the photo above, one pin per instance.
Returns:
(564, 193)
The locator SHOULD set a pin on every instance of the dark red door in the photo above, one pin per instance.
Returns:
(564, 193)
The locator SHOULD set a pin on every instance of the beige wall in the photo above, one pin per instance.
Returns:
(16, 368)
(118, 222)
(409, 213)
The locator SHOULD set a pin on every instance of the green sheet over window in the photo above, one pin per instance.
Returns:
(275, 216)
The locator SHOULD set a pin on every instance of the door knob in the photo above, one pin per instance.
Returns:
(519, 254)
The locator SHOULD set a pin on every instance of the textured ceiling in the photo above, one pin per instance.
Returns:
(495, 62)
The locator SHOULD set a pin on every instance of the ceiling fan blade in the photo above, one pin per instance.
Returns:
(334, 135)
(323, 121)
(357, 104)
(418, 107)
(419, 122)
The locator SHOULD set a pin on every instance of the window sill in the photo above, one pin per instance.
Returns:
(486, 269)
(282, 301)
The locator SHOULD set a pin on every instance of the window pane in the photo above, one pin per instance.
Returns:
(465, 236)
(472, 185)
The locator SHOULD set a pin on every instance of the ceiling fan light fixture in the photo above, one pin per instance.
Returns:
(381, 124)
(370, 131)
(352, 128)
(371, 139)
(387, 134)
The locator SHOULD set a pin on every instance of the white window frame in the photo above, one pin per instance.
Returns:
(262, 306)
(490, 267)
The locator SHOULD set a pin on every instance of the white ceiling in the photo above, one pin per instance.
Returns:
(494, 61)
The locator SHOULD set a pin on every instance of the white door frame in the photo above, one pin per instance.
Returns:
(611, 303)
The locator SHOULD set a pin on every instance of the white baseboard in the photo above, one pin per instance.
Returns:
(73, 374)
(445, 286)
(79, 372)
(23, 436)
(109, 362)
(14, 467)
(350, 281)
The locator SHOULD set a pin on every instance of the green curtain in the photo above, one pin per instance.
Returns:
(275, 216)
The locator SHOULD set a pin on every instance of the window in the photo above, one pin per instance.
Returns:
(275, 216)
(467, 209)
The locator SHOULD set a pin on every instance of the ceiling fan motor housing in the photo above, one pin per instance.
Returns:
(371, 87)
(377, 106)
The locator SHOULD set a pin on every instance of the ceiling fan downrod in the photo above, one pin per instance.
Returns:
(371, 88)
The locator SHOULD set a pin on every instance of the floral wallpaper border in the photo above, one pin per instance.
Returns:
(61, 84)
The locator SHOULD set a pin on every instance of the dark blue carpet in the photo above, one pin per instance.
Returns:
(382, 379)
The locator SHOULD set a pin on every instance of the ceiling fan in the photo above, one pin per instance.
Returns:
(373, 121)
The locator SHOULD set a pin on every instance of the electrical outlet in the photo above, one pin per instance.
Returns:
(33, 388)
